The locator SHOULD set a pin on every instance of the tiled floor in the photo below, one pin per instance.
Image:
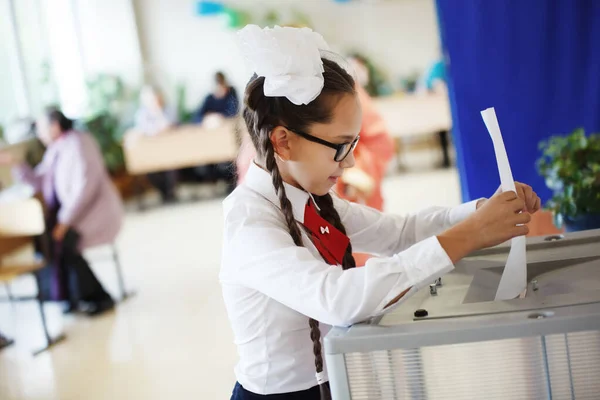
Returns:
(172, 340)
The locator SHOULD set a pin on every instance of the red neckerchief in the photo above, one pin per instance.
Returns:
(330, 242)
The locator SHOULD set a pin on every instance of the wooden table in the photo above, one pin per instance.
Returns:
(21, 223)
(19, 150)
(417, 115)
(181, 147)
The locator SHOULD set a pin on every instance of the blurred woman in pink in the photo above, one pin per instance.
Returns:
(83, 209)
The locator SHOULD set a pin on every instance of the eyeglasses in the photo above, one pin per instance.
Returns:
(341, 150)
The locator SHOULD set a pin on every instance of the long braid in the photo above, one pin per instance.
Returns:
(286, 205)
(286, 208)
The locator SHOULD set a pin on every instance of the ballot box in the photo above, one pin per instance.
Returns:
(452, 341)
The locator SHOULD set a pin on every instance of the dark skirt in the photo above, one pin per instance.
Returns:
(239, 393)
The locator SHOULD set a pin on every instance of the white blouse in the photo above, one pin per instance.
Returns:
(271, 286)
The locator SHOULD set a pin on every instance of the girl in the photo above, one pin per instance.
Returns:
(287, 272)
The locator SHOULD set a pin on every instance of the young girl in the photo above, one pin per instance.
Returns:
(287, 272)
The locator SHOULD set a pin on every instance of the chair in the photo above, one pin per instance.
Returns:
(21, 222)
(114, 255)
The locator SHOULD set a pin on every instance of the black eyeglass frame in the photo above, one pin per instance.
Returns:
(341, 151)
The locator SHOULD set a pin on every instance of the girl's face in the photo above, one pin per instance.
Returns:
(309, 165)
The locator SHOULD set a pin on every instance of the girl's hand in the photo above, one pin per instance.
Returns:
(496, 221)
(525, 192)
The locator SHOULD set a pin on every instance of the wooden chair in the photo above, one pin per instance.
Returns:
(21, 222)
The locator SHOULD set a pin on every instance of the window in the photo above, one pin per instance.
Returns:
(40, 59)
(67, 63)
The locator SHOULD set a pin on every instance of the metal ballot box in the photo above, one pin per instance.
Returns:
(452, 341)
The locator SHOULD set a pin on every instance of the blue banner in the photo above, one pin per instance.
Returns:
(536, 62)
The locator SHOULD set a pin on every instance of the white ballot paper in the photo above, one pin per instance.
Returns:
(514, 277)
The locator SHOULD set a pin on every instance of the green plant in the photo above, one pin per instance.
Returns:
(378, 84)
(273, 17)
(110, 112)
(184, 115)
(571, 167)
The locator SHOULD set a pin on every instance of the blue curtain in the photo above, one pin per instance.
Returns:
(537, 62)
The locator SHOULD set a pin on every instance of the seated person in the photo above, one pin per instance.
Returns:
(152, 118)
(434, 82)
(223, 101)
(4, 341)
(83, 209)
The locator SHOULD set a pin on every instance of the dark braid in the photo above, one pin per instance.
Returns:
(286, 205)
(286, 208)
(262, 115)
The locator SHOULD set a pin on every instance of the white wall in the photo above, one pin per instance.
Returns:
(109, 39)
(9, 107)
(87, 37)
(400, 35)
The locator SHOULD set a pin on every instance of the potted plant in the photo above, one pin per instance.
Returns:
(571, 167)
(110, 112)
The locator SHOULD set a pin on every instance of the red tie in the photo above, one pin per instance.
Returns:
(330, 242)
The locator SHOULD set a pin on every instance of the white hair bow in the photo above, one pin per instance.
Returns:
(288, 58)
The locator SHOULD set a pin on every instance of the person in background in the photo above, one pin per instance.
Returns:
(434, 79)
(223, 101)
(362, 183)
(4, 341)
(83, 209)
(362, 73)
(153, 117)
(434, 82)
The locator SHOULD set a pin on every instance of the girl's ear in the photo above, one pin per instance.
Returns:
(280, 138)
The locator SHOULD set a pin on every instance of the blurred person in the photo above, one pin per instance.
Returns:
(4, 341)
(433, 80)
(222, 101)
(361, 70)
(152, 118)
(362, 183)
(82, 210)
